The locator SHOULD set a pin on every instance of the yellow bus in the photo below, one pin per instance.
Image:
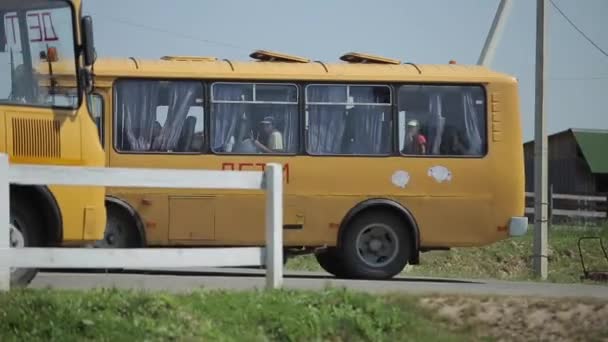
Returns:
(41, 126)
(382, 160)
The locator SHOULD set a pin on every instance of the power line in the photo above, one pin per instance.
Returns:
(177, 34)
(592, 78)
(576, 28)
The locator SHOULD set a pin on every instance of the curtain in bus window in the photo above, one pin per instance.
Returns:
(137, 102)
(462, 134)
(366, 123)
(471, 125)
(279, 101)
(436, 124)
(290, 127)
(181, 96)
(231, 123)
(326, 123)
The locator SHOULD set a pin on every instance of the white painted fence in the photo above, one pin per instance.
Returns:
(270, 180)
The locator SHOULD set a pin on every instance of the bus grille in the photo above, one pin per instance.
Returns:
(36, 138)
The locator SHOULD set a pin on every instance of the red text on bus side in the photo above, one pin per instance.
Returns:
(40, 26)
(253, 167)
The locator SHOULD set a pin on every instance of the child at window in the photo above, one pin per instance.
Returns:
(415, 141)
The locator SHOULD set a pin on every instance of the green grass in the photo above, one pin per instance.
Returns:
(113, 315)
(328, 315)
(508, 260)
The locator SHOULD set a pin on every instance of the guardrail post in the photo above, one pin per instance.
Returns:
(5, 266)
(273, 180)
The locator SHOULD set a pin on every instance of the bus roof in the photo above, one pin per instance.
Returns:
(282, 67)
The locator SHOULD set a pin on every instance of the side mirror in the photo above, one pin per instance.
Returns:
(87, 41)
(86, 79)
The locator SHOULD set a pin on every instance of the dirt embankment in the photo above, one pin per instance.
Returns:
(524, 319)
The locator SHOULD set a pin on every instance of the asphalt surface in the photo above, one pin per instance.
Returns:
(185, 280)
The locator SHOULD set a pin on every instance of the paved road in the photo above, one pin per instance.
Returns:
(243, 279)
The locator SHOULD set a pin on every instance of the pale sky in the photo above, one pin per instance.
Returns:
(430, 31)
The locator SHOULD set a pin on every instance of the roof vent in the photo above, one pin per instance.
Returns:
(356, 57)
(272, 56)
(189, 58)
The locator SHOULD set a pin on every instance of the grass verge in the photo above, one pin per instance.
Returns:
(507, 260)
(112, 315)
(328, 315)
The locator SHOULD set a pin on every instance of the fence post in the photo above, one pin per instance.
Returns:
(273, 180)
(5, 264)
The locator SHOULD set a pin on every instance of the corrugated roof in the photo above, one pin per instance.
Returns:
(594, 145)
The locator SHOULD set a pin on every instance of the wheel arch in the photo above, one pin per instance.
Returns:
(44, 201)
(385, 204)
(120, 204)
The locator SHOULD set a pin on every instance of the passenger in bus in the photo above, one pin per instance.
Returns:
(415, 141)
(244, 143)
(246, 146)
(274, 137)
(156, 128)
(184, 144)
(454, 143)
(24, 87)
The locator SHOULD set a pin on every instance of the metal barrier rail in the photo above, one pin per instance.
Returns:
(586, 213)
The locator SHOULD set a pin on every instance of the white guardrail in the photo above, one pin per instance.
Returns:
(270, 180)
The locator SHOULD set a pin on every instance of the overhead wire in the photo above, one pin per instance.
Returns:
(238, 47)
(578, 29)
(590, 78)
(177, 34)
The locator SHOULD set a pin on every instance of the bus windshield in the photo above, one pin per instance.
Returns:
(36, 37)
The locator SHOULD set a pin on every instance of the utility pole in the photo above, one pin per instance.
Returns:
(498, 24)
(540, 147)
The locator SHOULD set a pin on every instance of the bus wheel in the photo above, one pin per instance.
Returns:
(375, 246)
(120, 231)
(330, 261)
(25, 231)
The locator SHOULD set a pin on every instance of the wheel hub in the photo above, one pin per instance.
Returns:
(16, 240)
(375, 245)
(16, 237)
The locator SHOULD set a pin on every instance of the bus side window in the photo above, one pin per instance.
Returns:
(159, 116)
(441, 120)
(348, 119)
(251, 118)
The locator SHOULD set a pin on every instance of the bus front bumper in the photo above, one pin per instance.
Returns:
(518, 226)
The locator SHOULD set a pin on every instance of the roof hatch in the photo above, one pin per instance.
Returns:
(272, 56)
(356, 57)
(189, 58)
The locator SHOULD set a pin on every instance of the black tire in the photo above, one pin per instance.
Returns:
(30, 226)
(121, 231)
(395, 234)
(331, 261)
